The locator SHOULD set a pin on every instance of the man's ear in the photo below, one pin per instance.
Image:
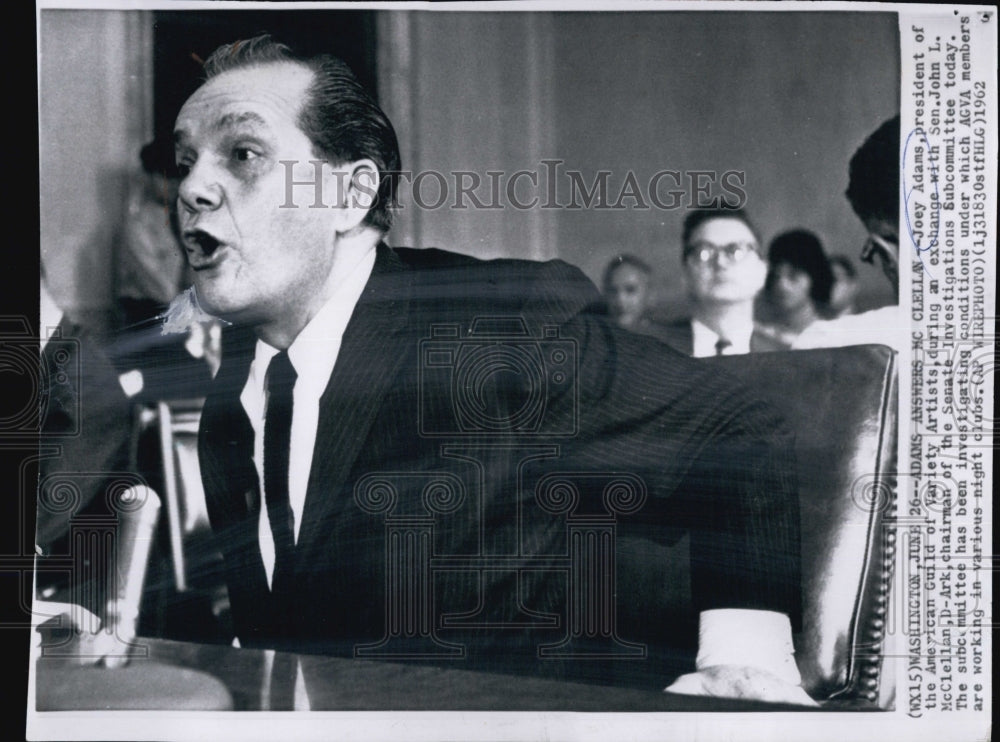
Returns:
(356, 185)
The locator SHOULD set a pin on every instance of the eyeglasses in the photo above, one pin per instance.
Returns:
(734, 252)
(875, 244)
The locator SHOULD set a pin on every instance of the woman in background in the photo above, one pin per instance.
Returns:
(798, 286)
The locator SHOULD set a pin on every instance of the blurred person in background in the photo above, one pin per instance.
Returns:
(150, 265)
(626, 286)
(844, 293)
(873, 191)
(799, 280)
(151, 272)
(85, 424)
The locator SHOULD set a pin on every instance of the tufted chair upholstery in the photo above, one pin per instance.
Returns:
(841, 404)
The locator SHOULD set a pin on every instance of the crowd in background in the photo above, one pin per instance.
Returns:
(744, 298)
(801, 284)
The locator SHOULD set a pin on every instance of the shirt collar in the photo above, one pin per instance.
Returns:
(704, 338)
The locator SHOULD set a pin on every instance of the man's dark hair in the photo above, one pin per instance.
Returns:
(343, 122)
(699, 216)
(873, 186)
(802, 250)
(625, 259)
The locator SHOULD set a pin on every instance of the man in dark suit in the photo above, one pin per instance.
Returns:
(413, 454)
(724, 271)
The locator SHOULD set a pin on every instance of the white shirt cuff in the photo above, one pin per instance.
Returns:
(751, 638)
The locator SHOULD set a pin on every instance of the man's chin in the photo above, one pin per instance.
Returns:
(219, 306)
(728, 297)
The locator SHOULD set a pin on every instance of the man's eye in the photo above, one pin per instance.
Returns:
(244, 154)
(183, 169)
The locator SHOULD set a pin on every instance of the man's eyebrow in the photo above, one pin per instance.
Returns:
(230, 120)
(227, 121)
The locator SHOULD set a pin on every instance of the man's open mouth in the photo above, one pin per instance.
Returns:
(202, 249)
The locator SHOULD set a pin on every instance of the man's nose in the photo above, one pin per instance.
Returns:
(719, 260)
(200, 189)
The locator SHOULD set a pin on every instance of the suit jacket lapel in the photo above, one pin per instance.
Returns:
(370, 355)
(226, 445)
(231, 485)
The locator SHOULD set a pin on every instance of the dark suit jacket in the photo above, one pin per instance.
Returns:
(492, 447)
(679, 335)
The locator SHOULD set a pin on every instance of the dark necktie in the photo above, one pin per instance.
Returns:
(720, 346)
(277, 442)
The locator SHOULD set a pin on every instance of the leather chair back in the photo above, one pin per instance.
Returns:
(841, 404)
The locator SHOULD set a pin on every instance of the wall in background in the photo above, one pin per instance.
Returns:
(469, 93)
(785, 98)
(95, 113)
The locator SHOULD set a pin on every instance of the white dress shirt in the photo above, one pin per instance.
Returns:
(747, 638)
(704, 339)
(313, 355)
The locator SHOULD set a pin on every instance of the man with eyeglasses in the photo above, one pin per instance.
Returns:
(873, 191)
(724, 271)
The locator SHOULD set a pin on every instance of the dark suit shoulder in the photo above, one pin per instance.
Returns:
(428, 258)
(552, 290)
(433, 258)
